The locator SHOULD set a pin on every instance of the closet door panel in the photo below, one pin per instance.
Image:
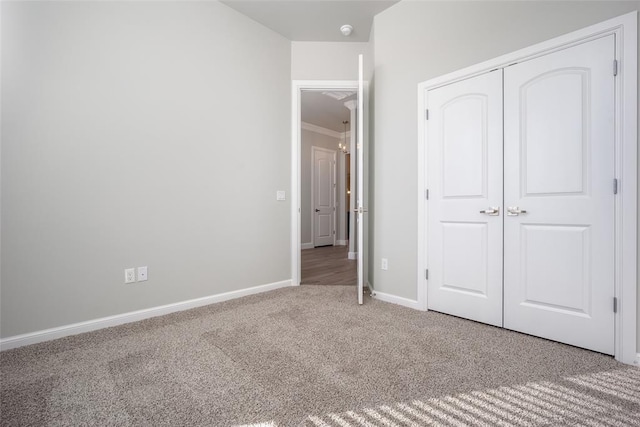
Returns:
(464, 174)
(559, 201)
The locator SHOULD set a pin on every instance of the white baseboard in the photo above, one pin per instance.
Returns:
(405, 302)
(306, 245)
(341, 242)
(353, 255)
(133, 316)
(637, 361)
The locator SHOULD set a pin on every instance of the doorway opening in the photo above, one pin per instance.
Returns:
(358, 228)
(327, 243)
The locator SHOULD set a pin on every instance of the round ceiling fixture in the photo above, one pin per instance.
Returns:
(346, 30)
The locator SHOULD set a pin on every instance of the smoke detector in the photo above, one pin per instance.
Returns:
(346, 30)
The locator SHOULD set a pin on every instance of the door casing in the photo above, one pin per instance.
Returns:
(297, 86)
(626, 168)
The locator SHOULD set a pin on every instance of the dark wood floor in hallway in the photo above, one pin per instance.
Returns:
(328, 265)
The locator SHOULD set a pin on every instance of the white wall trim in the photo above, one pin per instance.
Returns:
(405, 302)
(626, 140)
(304, 246)
(637, 361)
(352, 255)
(296, 122)
(133, 316)
(341, 242)
(323, 131)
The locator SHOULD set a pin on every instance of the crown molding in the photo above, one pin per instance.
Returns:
(351, 104)
(321, 130)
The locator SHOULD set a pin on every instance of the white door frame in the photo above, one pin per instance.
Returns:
(297, 86)
(626, 167)
(315, 149)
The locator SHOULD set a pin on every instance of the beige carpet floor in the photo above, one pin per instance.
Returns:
(310, 356)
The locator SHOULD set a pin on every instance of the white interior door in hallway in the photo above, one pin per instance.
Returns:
(554, 263)
(362, 180)
(323, 186)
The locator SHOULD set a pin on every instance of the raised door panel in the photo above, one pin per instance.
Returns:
(554, 119)
(464, 258)
(324, 188)
(324, 228)
(464, 150)
(556, 272)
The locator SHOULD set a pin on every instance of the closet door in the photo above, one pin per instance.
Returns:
(464, 177)
(559, 200)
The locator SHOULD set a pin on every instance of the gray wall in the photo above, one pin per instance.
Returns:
(138, 133)
(328, 60)
(310, 139)
(414, 42)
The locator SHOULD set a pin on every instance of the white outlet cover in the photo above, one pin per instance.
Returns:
(281, 195)
(142, 274)
(385, 264)
(129, 275)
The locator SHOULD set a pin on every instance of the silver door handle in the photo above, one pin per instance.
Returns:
(360, 210)
(491, 211)
(515, 211)
(317, 210)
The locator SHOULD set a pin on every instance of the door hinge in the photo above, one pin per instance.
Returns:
(615, 304)
(615, 185)
(426, 114)
(426, 194)
(334, 232)
(426, 274)
(615, 67)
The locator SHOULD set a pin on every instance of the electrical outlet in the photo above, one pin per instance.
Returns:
(129, 275)
(385, 264)
(142, 274)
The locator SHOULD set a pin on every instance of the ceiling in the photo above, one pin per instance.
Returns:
(313, 20)
(324, 111)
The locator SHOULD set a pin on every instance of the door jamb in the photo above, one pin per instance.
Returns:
(297, 86)
(626, 138)
(314, 149)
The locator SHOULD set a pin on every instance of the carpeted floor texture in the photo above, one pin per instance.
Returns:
(310, 356)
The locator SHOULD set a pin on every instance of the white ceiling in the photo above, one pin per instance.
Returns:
(324, 111)
(316, 20)
(313, 20)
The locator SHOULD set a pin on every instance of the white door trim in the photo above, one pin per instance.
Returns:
(626, 139)
(297, 86)
(315, 149)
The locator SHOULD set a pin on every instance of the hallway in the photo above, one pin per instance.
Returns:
(328, 265)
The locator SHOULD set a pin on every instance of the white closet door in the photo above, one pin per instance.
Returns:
(559, 168)
(464, 174)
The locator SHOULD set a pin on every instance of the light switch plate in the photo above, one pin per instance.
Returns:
(280, 195)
